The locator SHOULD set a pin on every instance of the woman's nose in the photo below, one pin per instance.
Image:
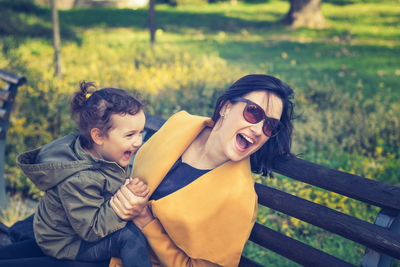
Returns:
(258, 128)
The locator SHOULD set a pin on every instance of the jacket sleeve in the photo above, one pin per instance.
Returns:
(88, 212)
(167, 252)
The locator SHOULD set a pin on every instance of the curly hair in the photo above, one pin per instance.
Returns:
(92, 108)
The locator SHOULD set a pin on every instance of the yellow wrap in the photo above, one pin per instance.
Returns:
(209, 219)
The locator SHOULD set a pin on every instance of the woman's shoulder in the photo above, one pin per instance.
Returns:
(183, 117)
(183, 114)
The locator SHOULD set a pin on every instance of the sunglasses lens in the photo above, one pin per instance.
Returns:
(271, 127)
(253, 113)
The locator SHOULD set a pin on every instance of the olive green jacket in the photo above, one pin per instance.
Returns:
(77, 189)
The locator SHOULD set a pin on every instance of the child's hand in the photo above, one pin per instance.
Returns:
(138, 187)
(127, 204)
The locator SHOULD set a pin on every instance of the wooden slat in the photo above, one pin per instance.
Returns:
(3, 113)
(366, 190)
(293, 249)
(246, 262)
(12, 77)
(3, 195)
(389, 219)
(362, 232)
(153, 122)
(4, 95)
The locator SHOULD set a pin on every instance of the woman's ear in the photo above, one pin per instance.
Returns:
(97, 137)
(225, 109)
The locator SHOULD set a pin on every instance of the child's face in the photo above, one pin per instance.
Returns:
(123, 139)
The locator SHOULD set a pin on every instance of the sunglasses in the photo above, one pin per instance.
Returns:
(253, 113)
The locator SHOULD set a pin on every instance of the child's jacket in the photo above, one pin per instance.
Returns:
(77, 188)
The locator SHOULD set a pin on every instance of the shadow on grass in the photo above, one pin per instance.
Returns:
(384, 19)
(35, 22)
(167, 20)
(20, 20)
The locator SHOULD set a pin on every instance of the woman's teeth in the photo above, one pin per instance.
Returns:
(243, 141)
(251, 141)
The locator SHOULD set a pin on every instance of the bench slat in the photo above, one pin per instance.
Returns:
(363, 189)
(367, 234)
(293, 249)
(3, 113)
(246, 262)
(12, 77)
(4, 95)
(153, 123)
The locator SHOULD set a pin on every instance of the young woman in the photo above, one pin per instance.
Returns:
(199, 171)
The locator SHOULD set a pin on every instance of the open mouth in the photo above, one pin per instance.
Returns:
(243, 142)
(127, 154)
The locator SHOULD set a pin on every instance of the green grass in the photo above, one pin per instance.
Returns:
(346, 78)
(366, 42)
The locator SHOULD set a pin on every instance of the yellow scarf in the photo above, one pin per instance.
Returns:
(211, 218)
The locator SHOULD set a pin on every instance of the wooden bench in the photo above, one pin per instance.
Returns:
(8, 90)
(382, 239)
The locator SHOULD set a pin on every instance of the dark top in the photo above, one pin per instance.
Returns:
(180, 175)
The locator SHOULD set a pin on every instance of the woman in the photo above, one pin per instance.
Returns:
(203, 204)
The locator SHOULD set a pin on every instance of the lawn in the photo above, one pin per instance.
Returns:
(346, 78)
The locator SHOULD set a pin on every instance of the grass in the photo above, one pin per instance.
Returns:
(362, 38)
(21, 209)
(365, 43)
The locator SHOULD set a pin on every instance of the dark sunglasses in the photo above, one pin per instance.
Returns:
(253, 113)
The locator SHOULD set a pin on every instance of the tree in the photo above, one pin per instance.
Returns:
(152, 22)
(56, 39)
(305, 13)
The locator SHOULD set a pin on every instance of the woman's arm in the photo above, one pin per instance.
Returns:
(130, 199)
(167, 252)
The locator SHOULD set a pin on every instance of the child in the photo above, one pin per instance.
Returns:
(80, 173)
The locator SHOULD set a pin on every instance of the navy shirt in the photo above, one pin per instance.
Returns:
(180, 175)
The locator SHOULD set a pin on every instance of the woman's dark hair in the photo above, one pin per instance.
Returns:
(261, 161)
(94, 109)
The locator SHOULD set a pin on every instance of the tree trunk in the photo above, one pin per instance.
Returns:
(305, 13)
(56, 39)
(152, 22)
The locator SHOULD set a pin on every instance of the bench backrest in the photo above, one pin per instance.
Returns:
(8, 90)
(382, 239)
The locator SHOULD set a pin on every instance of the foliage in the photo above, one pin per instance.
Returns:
(345, 78)
(20, 211)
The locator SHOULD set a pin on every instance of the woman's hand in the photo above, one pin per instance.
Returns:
(130, 200)
(143, 218)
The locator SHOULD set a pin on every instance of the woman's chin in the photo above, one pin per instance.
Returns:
(240, 148)
(238, 154)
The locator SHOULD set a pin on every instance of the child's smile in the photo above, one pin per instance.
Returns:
(123, 139)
